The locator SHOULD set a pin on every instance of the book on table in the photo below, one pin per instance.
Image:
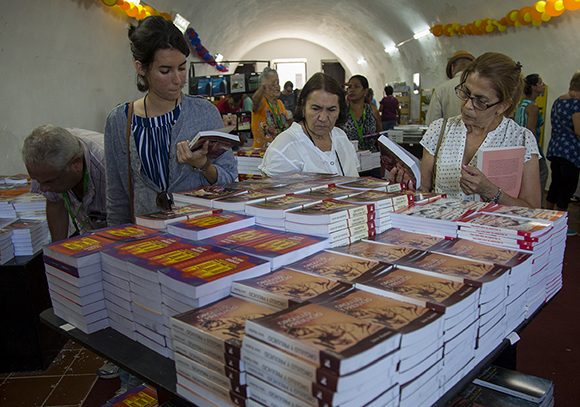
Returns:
(440, 294)
(218, 328)
(337, 266)
(277, 207)
(328, 211)
(210, 225)
(237, 203)
(205, 195)
(213, 271)
(503, 166)
(324, 337)
(503, 226)
(394, 156)
(398, 237)
(160, 219)
(77, 252)
(475, 395)
(126, 232)
(368, 183)
(528, 387)
(282, 288)
(368, 249)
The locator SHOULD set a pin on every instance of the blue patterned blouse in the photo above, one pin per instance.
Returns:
(153, 138)
(564, 142)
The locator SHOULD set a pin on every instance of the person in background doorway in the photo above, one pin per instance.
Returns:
(528, 115)
(313, 143)
(69, 170)
(147, 140)
(564, 148)
(489, 91)
(362, 118)
(370, 98)
(389, 109)
(230, 104)
(269, 116)
(444, 103)
(288, 97)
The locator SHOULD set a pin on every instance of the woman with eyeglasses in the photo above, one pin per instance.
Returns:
(490, 89)
(313, 143)
(147, 141)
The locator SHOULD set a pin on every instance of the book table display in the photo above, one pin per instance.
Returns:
(159, 371)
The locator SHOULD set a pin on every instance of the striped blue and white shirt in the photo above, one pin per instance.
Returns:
(153, 139)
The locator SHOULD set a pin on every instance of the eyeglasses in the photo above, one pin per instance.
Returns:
(164, 200)
(477, 103)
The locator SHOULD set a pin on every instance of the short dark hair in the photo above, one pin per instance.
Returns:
(288, 83)
(363, 81)
(151, 34)
(575, 82)
(529, 81)
(504, 74)
(321, 81)
(389, 90)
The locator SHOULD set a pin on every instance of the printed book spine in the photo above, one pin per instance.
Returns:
(195, 335)
(187, 343)
(260, 296)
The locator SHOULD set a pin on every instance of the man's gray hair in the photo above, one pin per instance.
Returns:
(50, 146)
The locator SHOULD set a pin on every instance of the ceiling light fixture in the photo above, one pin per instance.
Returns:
(421, 34)
(180, 22)
(361, 61)
(391, 49)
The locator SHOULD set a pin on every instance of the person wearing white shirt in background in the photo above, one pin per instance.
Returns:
(444, 103)
(313, 143)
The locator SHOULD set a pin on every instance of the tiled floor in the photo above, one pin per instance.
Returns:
(70, 381)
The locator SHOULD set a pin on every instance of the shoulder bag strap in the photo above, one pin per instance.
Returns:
(439, 140)
(130, 171)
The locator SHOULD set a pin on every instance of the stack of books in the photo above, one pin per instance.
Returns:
(28, 236)
(332, 192)
(160, 220)
(384, 204)
(249, 159)
(206, 195)
(7, 210)
(272, 213)
(520, 265)
(142, 395)
(342, 223)
(207, 343)
(477, 395)
(278, 248)
(282, 288)
(30, 206)
(370, 183)
(210, 225)
(313, 355)
(457, 302)
(6, 247)
(73, 272)
(368, 249)
(421, 331)
(338, 267)
(438, 218)
(398, 237)
(237, 203)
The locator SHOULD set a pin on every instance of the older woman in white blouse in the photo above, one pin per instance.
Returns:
(490, 89)
(313, 143)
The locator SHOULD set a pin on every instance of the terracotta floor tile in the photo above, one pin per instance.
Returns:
(71, 390)
(85, 362)
(26, 391)
(58, 367)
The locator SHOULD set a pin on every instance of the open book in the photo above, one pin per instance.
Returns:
(220, 140)
(503, 166)
(392, 155)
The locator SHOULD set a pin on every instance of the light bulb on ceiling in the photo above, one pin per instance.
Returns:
(421, 34)
(361, 61)
(391, 49)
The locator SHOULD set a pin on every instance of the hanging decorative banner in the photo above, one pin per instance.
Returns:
(141, 11)
(201, 51)
(541, 12)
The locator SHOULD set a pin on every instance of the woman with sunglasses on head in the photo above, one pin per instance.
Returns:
(490, 89)
(147, 141)
(313, 143)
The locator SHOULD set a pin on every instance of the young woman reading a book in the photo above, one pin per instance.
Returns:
(313, 143)
(147, 141)
(489, 90)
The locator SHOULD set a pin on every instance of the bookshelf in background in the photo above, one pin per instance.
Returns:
(402, 92)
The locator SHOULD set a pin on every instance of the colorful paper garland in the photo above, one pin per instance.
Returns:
(141, 12)
(541, 12)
